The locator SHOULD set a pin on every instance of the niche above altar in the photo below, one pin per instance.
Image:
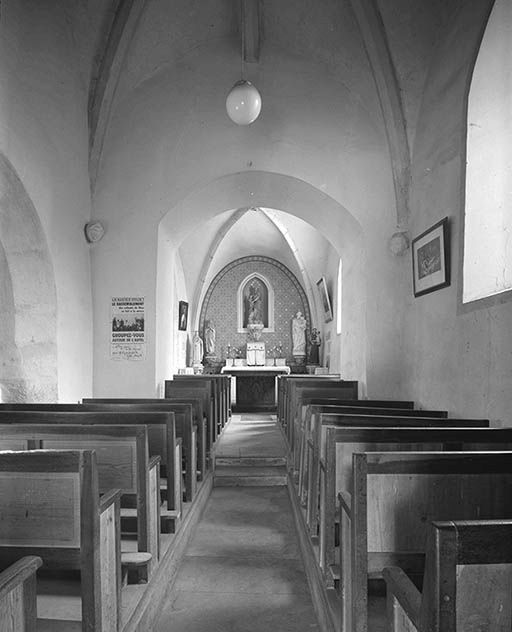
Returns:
(255, 303)
(227, 306)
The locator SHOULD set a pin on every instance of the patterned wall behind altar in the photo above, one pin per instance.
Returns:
(221, 304)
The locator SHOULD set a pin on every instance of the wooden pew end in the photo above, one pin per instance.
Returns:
(135, 565)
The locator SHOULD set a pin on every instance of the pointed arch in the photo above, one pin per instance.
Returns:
(267, 302)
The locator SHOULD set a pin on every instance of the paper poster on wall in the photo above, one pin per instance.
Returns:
(128, 335)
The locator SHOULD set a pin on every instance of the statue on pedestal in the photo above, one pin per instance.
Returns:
(314, 349)
(299, 335)
(209, 338)
(197, 349)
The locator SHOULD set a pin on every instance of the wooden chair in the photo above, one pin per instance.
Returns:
(18, 607)
(467, 584)
(51, 508)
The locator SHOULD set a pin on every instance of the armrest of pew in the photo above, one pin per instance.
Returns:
(110, 557)
(109, 498)
(402, 595)
(18, 594)
(154, 461)
(154, 503)
(345, 503)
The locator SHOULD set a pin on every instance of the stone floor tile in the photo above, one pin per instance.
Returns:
(237, 612)
(252, 575)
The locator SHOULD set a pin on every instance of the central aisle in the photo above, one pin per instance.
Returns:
(242, 571)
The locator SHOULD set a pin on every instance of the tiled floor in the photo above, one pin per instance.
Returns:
(242, 571)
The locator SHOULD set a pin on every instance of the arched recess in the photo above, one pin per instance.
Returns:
(268, 300)
(275, 269)
(290, 195)
(29, 331)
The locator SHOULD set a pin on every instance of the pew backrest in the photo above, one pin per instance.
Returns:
(123, 463)
(186, 428)
(51, 508)
(161, 426)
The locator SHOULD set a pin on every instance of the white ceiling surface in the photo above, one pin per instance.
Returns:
(168, 32)
(254, 233)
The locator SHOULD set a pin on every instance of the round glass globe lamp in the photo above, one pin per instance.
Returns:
(243, 103)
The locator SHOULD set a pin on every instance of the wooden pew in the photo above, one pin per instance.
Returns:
(220, 392)
(467, 582)
(283, 382)
(191, 433)
(18, 607)
(51, 508)
(292, 384)
(394, 496)
(339, 443)
(361, 414)
(316, 419)
(308, 388)
(184, 391)
(161, 437)
(123, 463)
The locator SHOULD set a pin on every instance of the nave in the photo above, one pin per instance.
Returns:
(242, 569)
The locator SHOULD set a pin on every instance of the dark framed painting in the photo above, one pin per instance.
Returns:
(431, 259)
(183, 316)
(326, 301)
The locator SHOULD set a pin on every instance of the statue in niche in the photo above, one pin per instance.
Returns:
(314, 349)
(197, 349)
(209, 338)
(299, 335)
(255, 303)
(254, 300)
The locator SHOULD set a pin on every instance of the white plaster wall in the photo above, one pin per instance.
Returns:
(43, 132)
(171, 138)
(456, 359)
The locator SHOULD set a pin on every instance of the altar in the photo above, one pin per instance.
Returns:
(253, 388)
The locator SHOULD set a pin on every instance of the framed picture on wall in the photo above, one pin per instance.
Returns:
(183, 316)
(431, 259)
(324, 296)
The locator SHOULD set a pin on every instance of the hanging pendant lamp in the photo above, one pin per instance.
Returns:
(243, 103)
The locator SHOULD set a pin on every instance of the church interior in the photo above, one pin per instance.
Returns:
(287, 220)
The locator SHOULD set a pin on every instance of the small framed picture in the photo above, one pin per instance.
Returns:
(326, 302)
(183, 316)
(431, 259)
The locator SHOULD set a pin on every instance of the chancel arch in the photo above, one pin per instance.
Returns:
(190, 232)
